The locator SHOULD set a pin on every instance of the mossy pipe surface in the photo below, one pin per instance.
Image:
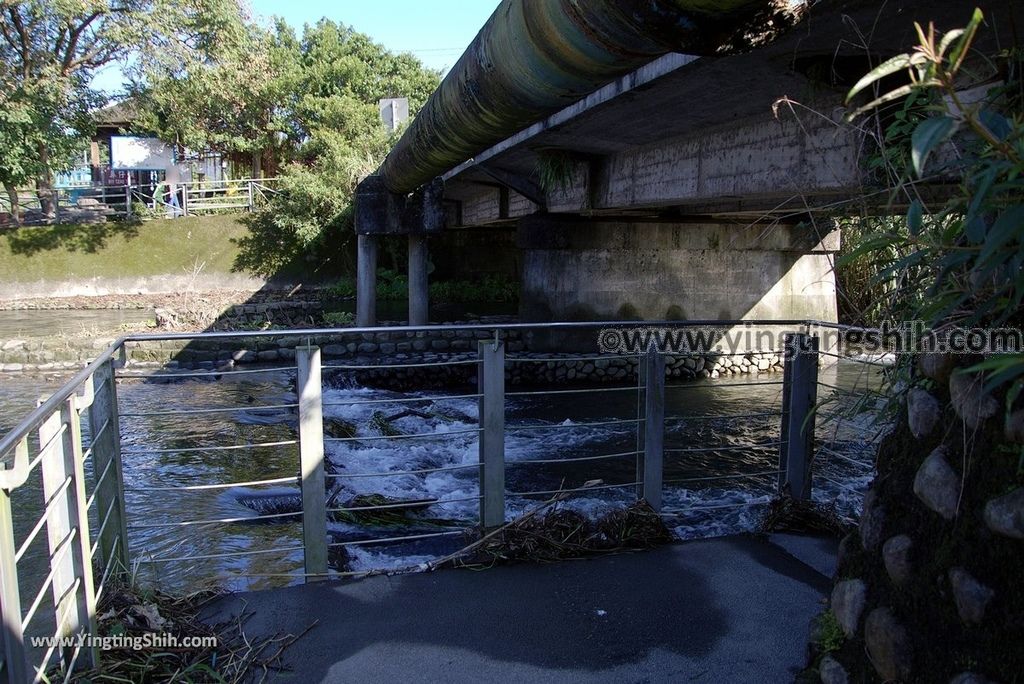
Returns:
(534, 57)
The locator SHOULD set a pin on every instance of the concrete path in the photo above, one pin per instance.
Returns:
(735, 609)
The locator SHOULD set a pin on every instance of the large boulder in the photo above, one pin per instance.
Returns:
(872, 521)
(970, 400)
(1005, 514)
(923, 412)
(937, 485)
(832, 672)
(1014, 429)
(888, 645)
(848, 599)
(971, 596)
(936, 366)
(896, 557)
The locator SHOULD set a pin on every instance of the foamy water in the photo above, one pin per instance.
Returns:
(700, 415)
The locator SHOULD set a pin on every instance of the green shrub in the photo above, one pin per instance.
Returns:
(962, 263)
(338, 319)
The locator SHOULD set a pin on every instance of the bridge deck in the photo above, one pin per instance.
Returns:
(734, 609)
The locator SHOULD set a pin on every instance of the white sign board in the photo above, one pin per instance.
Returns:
(129, 153)
(394, 111)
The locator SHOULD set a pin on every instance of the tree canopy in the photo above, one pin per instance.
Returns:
(50, 51)
(206, 76)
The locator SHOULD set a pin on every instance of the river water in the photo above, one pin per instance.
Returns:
(166, 446)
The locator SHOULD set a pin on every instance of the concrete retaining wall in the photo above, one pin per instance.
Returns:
(600, 270)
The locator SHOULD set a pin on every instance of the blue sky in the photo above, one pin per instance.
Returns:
(436, 31)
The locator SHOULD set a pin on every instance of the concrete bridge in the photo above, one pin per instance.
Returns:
(686, 187)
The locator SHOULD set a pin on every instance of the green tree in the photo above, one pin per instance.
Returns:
(51, 49)
(330, 116)
(228, 100)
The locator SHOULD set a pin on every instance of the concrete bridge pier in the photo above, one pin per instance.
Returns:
(380, 212)
(419, 287)
(366, 280)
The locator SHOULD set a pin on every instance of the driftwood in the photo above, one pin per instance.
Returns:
(786, 514)
(560, 534)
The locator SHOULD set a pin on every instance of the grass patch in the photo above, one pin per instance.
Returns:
(120, 250)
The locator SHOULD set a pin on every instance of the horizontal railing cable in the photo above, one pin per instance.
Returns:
(564, 426)
(391, 473)
(717, 507)
(570, 359)
(576, 489)
(726, 447)
(537, 461)
(205, 374)
(386, 540)
(226, 554)
(295, 479)
(587, 390)
(226, 409)
(727, 416)
(724, 385)
(418, 435)
(411, 400)
(738, 476)
(424, 503)
(844, 457)
(227, 447)
(387, 366)
(216, 521)
(855, 359)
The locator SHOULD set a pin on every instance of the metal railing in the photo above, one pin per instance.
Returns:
(130, 200)
(88, 517)
(847, 420)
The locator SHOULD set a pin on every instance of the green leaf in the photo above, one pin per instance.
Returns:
(928, 135)
(959, 51)
(886, 68)
(914, 217)
(888, 97)
(996, 123)
(948, 39)
(1009, 225)
(870, 244)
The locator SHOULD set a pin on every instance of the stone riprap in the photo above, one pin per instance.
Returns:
(352, 351)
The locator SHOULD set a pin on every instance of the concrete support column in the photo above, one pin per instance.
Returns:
(366, 281)
(419, 288)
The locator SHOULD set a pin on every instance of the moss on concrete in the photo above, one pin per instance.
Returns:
(120, 250)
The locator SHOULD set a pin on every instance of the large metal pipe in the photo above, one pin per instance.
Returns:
(534, 57)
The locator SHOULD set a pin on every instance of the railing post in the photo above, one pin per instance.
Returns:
(108, 472)
(311, 458)
(252, 206)
(491, 387)
(650, 463)
(799, 395)
(15, 658)
(68, 524)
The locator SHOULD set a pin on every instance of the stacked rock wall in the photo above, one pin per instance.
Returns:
(931, 586)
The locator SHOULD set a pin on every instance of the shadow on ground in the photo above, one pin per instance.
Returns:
(733, 609)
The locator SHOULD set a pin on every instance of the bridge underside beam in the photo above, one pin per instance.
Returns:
(741, 135)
